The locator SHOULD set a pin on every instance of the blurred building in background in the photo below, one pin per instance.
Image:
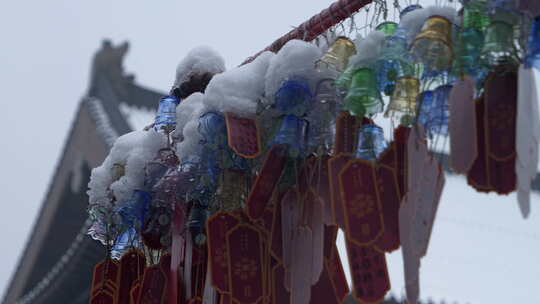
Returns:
(56, 265)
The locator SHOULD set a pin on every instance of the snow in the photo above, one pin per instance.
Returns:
(132, 150)
(188, 109)
(199, 60)
(367, 49)
(187, 124)
(238, 90)
(296, 59)
(103, 124)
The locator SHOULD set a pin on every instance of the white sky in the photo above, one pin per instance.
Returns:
(481, 250)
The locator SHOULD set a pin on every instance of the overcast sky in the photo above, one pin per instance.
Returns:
(481, 251)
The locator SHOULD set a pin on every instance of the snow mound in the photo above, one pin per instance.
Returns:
(296, 59)
(185, 111)
(187, 128)
(132, 150)
(239, 89)
(199, 60)
(367, 49)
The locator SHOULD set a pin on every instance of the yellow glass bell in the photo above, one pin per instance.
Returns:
(403, 100)
(337, 56)
(433, 46)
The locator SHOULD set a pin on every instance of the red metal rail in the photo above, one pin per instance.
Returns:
(317, 24)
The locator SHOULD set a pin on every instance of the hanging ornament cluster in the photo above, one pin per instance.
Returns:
(236, 192)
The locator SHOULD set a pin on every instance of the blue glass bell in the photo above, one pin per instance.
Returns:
(166, 113)
(409, 9)
(394, 61)
(425, 107)
(533, 52)
(294, 97)
(213, 130)
(127, 239)
(438, 124)
(133, 211)
(293, 133)
(371, 142)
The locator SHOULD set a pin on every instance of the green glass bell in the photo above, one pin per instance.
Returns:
(499, 48)
(388, 27)
(363, 97)
(475, 15)
(469, 44)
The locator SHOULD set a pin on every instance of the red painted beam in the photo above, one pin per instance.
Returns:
(317, 24)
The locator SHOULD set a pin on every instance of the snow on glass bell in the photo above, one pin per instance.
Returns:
(364, 97)
(166, 113)
(337, 56)
(403, 101)
(433, 45)
(499, 46)
(371, 142)
(292, 133)
(533, 51)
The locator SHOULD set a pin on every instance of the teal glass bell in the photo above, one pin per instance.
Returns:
(364, 97)
(343, 82)
(468, 47)
(499, 48)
